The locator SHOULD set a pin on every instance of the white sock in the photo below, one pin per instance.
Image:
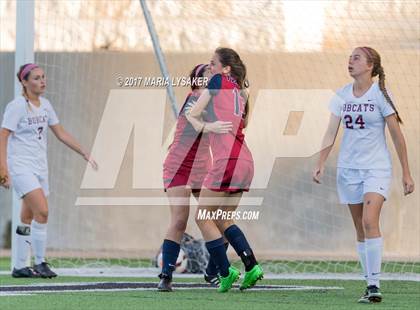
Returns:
(23, 243)
(39, 241)
(361, 250)
(373, 259)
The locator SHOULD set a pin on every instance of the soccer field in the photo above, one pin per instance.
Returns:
(130, 292)
(290, 294)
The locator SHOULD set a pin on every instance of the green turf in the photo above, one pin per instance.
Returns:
(397, 295)
(278, 266)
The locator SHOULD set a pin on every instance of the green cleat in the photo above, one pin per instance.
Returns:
(227, 282)
(251, 277)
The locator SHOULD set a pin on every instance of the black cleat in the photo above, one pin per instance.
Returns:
(364, 299)
(44, 270)
(165, 283)
(374, 294)
(213, 280)
(26, 272)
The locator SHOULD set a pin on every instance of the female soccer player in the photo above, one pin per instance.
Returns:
(184, 169)
(364, 168)
(23, 163)
(233, 166)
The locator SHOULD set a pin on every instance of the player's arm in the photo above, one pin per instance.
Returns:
(4, 172)
(245, 96)
(201, 104)
(194, 117)
(401, 148)
(217, 127)
(327, 145)
(63, 136)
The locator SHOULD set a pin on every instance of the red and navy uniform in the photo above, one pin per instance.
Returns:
(233, 165)
(189, 158)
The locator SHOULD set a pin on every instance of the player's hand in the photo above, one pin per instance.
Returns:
(4, 178)
(219, 127)
(91, 161)
(318, 173)
(408, 184)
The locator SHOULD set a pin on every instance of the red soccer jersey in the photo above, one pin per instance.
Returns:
(189, 157)
(233, 166)
(227, 105)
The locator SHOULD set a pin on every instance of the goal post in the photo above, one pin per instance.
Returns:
(159, 54)
(24, 53)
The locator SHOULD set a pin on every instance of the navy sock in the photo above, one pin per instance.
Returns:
(217, 252)
(212, 269)
(170, 252)
(237, 239)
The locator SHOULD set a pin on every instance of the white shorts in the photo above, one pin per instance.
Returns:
(27, 182)
(353, 184)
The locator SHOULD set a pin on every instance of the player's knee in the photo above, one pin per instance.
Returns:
(180, 225)
(358, 224)
(201, 222)
(198, 221)
(222, 225)
(360, 235)
(41, 216)
(370, 225)
(26, 218)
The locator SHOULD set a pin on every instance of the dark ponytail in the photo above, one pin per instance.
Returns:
(381, 82)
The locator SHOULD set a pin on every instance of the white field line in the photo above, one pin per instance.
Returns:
(153, 272)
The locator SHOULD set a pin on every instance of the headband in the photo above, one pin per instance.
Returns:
(199, 68)
(28, 68)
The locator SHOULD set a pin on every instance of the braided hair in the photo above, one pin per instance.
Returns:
(374, 58)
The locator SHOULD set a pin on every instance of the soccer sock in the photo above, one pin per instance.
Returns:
(361, 250)
(23, 242)
(217, 252)
(212, 269)
(237, 239)
(39, 241)
(373, 260)
(170, 252)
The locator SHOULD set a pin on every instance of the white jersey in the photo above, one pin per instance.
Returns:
(27, 144)
(364, 144)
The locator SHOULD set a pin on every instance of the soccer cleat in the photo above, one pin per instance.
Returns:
(364, 299)
(44, 270)
(374, 295)
(213, 280)
(26, 272)
(251, 277)
(165, 283)
(227, 282)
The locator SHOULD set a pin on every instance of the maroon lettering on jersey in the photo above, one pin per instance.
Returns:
(366, 105)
